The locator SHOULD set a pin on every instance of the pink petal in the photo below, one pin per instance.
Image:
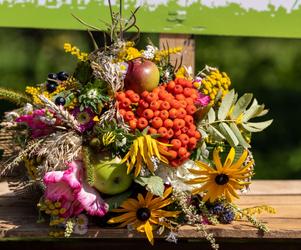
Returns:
(91, 201)
(73, 175)
(59, 190)
(53, 177)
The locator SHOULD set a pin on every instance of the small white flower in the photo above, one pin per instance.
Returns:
(81, 225)
(92, 94)
(172, 237)
(149, 53)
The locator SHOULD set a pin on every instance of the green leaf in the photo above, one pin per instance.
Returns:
(215, 133)
(117, 200)
(239, 136)
(154, 184)
(83, 72)
(263, 112)
(229, 134)
(226, 105)
(253, 111)
(250, 128)
(260, 125)
(241, 105)
(211, 115)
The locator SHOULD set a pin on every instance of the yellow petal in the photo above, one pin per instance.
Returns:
(160, 204)
(130, 204)
(230, 158)
(217, 160)
(122, 217)
(167, 192)
(198, 172)
(232, 191)
(141, 200)
(197, 180)
(149, 232)
(129, 221)
(138, 165)
(241, 160)
(149, 196)
(165, 214)
(201, 165)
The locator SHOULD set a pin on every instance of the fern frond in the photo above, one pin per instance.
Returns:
(14, 96)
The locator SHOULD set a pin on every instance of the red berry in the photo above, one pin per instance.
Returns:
(142, 123)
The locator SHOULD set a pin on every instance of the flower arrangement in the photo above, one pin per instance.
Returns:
(135, 140)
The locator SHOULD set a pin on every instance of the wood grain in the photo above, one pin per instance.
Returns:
(18, 217)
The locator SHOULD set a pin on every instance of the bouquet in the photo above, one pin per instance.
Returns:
(131, 138)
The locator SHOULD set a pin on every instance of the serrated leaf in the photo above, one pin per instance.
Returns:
(211, 115)
(154, 184)
(260, 125)
(241, 105)
(216, 133)
(226, 105)
(229, 134)
(117, 200)
(239, 136)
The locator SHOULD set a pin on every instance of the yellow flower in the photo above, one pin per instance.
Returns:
(144, 213)
(224, 179)
(166, 52)
(128, 53)
(73, 50)
(142, 150)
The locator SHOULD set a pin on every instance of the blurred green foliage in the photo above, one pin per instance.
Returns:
(269, 68)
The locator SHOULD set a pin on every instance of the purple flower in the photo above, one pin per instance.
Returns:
(84, 117)
(40, 122)
(70, 189)
(203, 100)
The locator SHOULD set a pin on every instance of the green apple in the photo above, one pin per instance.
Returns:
(111, 178)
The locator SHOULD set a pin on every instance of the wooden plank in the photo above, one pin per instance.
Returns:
(18, 219)
(185, 41)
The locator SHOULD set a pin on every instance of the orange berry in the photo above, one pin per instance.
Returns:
(173, 113)
(157, 113)
(183, 103)
(154, 105)
(172, 154)
(165, 105)
(129, 93)
(164, 114)
(170, 133)
(133, 124)
(187, 92)
(152, 131)
(143, 104)
(188, 119)
(134, 98)
(181, 113)
(197, 135)
(120, 96)
(189, 100)
(157, 122)
(194, 96)
(162, 132)
(168, 123)
(129, 115)
(148, 114)
(126, 102)
(122, 112)
(163, 95)
(178, 123)
(184, 139)
(182, 151)
(175, 104)
(176, 144)
(178, 89)
(191, 109)
(177, 132)
(192, 126)
(175, 163)
(184, 130)
(180, 97)
(156, 90)
(170, 86)
(142, 123)
(188, 84)
(191, 132)
(151, 97)
(144, 94)
(192, 142)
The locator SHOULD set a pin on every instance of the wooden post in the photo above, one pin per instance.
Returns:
(185, 41)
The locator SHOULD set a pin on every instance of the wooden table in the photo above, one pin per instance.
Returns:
(18, 227)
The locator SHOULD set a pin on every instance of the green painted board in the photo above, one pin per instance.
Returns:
(275, 18)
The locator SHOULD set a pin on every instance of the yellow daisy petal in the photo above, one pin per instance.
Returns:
(149, 232)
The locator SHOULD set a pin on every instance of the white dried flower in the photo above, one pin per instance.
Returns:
(149, 53)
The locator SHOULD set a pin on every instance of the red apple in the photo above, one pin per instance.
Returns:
(142, 75)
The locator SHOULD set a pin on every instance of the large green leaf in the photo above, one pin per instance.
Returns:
(211, 115)
(239, 136)
(116, 200)
(241, 105)
(226, 105)
(229, 134)
(154, 184)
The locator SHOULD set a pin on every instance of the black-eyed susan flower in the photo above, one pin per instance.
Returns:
(142, 150)
(144, 213)
(222, 180)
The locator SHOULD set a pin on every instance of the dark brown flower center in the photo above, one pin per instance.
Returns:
(143, 214)
(221, 179)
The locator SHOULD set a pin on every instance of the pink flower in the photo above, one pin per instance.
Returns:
(70, 189)
(203, 100)
(40, 122)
